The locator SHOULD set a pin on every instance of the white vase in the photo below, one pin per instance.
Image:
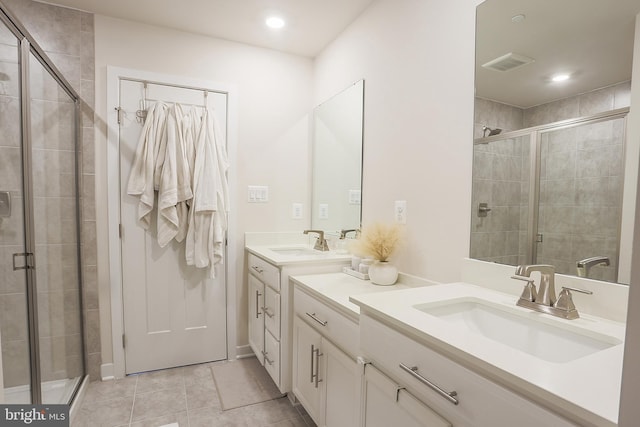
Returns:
(383, 273)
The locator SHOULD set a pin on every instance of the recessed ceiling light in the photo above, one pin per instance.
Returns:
(518, 18)
(560, 77)
(275, 22)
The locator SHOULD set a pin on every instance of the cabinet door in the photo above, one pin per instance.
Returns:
(272, 311)
(307, 374)
(386, 404)
(256, 317)
(342, 388)
(272, 356)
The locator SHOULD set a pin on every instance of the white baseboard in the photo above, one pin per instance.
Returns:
(107, 372)
(243, 351)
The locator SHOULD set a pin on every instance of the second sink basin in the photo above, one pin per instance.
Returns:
(542, 340)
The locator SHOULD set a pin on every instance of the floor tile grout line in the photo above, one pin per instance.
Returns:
(133, 403)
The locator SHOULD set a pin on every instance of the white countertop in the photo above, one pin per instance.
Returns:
(268, 253)
(586, 389)
(334, 289)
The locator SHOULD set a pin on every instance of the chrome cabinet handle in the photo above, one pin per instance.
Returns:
(313, 316)
(266, 311)
(449, 395)
(258, 269)
(312, 353)
(266, 358)
(258, 295)
(315, 376)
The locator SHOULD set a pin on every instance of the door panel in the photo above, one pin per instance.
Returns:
(174, 314)
(14, 326)
(307, 363)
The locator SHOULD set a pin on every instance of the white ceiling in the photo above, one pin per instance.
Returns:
(311, 24)
(590, 39)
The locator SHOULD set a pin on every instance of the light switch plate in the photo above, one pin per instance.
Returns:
(354, 197)
(323, 211)
(296, 211)
(258, 194)
(5, 204)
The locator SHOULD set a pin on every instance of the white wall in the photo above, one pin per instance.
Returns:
(629, 409)
(274, 93)
(417, 59)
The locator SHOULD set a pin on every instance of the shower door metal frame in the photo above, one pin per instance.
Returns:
(28, 46)
(535, 158)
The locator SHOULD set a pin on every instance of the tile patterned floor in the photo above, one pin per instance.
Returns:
(186, 396)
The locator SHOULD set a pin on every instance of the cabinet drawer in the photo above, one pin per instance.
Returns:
(388, 348)
(272, 312)
(331, 324)
(272, 356)
(387, 404)
(268, 273)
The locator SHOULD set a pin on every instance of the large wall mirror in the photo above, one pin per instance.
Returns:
(553, 83)
(337, 161)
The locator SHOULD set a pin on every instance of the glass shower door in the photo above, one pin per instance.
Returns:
(580, 208)
(56, 234)
(14, 323)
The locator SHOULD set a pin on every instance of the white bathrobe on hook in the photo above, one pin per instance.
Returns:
(142, 177)
(175, 183)
(207, 217)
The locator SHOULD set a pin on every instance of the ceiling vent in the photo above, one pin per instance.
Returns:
(508, 62)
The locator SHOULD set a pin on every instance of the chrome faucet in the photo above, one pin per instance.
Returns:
(583, 266)
(544, 298)
(343, 233)
(321, 242)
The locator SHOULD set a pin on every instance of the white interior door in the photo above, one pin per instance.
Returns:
(174, 315)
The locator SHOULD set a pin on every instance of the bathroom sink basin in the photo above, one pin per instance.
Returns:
(296, 251)
(559, 343)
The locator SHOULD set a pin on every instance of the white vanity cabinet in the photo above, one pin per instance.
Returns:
(270, 299)
(481, 402)
(326, 378)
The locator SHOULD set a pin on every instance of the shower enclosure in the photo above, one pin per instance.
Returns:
(551, 195)
(40, 298)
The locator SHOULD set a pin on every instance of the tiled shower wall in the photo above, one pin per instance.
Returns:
(500, 179)
(494, 239)
(67, 36)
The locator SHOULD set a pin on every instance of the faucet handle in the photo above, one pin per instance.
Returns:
(565, 299)
(529, 293)
(582, 291)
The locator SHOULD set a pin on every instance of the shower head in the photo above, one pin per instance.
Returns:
(492, 132)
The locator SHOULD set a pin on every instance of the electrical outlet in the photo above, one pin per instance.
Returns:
(296, 211)
(400, 213)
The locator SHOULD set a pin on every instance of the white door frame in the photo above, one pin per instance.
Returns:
(114, 74)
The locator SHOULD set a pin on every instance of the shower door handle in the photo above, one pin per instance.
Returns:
(29, 261)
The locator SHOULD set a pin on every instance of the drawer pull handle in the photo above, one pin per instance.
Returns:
(258, 269)
(266, 311)
(258, 295)
(266, 359)
(313, 316)
(450, 396)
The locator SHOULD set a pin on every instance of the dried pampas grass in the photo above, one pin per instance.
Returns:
(377, 241)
